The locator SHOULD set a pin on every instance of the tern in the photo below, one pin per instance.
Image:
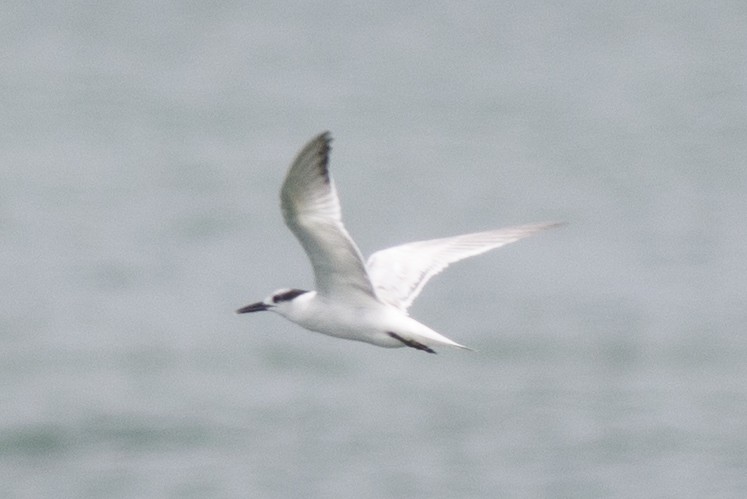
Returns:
(357, 300)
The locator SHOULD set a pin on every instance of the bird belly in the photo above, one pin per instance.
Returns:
(370, 325)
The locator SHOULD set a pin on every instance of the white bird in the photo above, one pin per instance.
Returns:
(355, 300)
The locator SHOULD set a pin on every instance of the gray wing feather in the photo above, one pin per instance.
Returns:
(311, 210)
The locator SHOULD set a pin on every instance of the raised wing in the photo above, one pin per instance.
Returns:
(399, 273)
(312, 212)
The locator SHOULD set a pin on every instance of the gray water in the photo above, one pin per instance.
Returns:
(142, 146)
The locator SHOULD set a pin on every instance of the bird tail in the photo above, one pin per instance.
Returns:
(429, 337)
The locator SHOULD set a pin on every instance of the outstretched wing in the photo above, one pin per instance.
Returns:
(399, 273)
(312, 212)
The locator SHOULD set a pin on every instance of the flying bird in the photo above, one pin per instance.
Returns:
(356, 299)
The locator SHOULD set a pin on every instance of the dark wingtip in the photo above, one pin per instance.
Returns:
(326, 139)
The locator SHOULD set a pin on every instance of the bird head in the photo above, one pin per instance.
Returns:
(279, 302)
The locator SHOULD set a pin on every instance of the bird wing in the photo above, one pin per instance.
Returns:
(311, 210)
(399, 273)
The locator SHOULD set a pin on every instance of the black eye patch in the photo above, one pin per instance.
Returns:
(287, 295)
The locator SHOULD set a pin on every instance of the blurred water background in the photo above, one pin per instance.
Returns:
(142, 146)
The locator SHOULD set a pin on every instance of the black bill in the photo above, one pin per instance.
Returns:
(254, 307)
